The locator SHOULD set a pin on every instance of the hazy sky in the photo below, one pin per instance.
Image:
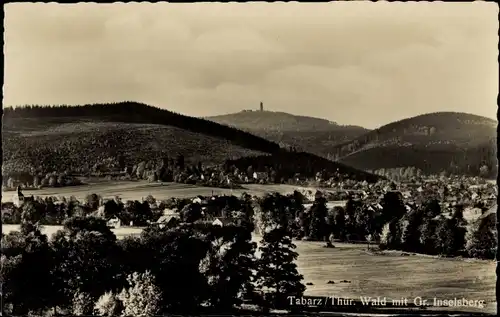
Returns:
(357, 63)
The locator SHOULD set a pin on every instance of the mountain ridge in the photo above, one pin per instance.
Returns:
(309, 134)
(452, 142)
(57, 138)
(435, 142)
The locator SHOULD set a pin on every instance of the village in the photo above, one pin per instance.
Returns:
(474, 195)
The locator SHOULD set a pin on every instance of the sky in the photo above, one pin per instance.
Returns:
(359, 63)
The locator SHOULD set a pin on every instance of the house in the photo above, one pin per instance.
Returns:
(406, 194)
(168, 221)
(114, 222)
(7, 209)
(492, 197)
(100, 212)
(197, 200)
(169, 212)
(259, 175)
(221, 222)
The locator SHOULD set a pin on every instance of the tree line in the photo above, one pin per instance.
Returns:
(54, 211)
(192, 268)
(425, 228)
(283, 167)
(478, 160)
(301, 165)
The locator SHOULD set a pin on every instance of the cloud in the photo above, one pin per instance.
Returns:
(355, 63)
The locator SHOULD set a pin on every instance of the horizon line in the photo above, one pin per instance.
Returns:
(231, 113)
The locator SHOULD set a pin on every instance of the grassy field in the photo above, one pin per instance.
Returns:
(136, 190)
(386, 275)
(394, 276)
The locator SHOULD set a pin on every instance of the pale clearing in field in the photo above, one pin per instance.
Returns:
(136, 190)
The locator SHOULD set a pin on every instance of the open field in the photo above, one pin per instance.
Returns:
(50, 230)
(136, 190)
(386, 275)
(394, 276)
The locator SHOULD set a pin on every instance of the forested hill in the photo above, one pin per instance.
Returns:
(105, 138)
(442, 141)
(133, 112)
(305, 133)
(274, 121)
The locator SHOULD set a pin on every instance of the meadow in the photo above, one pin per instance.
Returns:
(387, 274)
(136, 190)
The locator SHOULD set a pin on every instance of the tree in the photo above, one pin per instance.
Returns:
(180, 162)
(393, 206)
(317, 226)
(250, 171)
(36, 181)
(32, 212)
(340, 227)
(394, 239)
(277, 276)
(228, 266)
(445, 237)
(141, 168)
(83, 304)
(276, 211)
(482, 238)
(53, 181)
(174, 258)
(432, 208)
(484, 171)
(85, 251)
(108, 305)
(26, 279)
(191, 212)
(428, 236)
(93, 201)
(411, 234)
(143, 297)
(111, 209)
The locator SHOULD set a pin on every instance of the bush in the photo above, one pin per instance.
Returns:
(83, 304)
(108, 305)
(142, 297)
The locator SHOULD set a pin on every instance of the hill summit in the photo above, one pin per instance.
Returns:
(306, 133)
(452, 142)
(273, 121)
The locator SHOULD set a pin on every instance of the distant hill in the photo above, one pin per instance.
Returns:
(309, 134)
(273, 121)
(78, 137)
(454, 142)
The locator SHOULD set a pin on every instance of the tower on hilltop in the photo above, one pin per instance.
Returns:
(261, 106)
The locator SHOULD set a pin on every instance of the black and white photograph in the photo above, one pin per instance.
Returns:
(249, 159)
